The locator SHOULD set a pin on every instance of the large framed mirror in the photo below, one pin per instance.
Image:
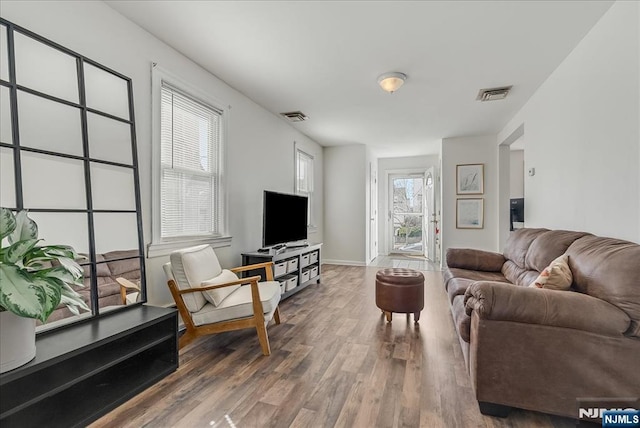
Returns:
(68, 155)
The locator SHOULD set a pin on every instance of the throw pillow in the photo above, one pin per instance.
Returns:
(556, 276)
(216, 296)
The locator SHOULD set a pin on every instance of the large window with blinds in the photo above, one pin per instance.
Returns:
(189, 196)
(304, 179)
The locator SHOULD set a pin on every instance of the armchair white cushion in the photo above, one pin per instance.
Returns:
(238, 304)
(192, 266)
(217, 295)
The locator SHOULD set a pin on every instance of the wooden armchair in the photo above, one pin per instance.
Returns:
(132, 288)
(212, 300)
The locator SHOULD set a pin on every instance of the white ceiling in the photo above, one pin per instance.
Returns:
(323, 58)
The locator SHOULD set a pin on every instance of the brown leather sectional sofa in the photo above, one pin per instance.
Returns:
(541, 349)
(109, 266)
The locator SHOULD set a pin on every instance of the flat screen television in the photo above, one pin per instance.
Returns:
(284, 218)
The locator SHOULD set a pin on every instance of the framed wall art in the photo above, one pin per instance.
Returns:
(470, 213)
(470, 179)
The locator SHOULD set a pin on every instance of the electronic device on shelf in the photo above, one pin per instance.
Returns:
(517, 211)
(284, 219)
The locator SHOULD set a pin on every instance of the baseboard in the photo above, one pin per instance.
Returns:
(343, 262)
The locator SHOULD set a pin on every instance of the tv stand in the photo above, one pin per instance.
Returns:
(300, 262)
(297, 245)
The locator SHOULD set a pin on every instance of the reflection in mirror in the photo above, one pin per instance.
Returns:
(115, 232)
(52, 182)
(7, 179)
(122, 286)
(112, 187)
(4, 54)
(106, 92)
(45, 69)
(49, 125)
(109, 139)
(63, 229)
(5, 116)
(54, 229)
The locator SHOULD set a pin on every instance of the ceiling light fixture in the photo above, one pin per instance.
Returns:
(390, 82)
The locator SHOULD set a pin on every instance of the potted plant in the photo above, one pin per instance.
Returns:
(34, 280)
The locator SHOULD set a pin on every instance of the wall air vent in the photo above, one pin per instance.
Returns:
(294, 116)
(493, 94)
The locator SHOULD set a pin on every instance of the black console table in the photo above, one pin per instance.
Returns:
(299, 264)
(82, 372)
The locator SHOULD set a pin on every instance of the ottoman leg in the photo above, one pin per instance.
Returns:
(388, 315)
(416, 317)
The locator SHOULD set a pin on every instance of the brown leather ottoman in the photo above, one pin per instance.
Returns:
(400, 290)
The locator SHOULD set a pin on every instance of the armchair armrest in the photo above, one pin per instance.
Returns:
(268, 267)
(251, 280)
(505, 302)
(466, 258)
(125, 285)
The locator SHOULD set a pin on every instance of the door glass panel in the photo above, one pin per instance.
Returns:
(407, 215)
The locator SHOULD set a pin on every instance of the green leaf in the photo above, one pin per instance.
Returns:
(18, 294)
(71, 266)
(7, 223)
(73, 300)
(52, 293)
(61, 273)
(18, 250)
(59, 251)
(25, 228)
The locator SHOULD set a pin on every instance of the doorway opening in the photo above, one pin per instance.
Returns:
(407, 202)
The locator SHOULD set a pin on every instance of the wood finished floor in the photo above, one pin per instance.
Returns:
(334, 362)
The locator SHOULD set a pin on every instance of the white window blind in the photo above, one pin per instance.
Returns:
(190, 141)
(304, 179)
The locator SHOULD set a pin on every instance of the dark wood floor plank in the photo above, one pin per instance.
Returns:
(335, 362)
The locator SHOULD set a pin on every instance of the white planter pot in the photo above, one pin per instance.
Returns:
(17, 341)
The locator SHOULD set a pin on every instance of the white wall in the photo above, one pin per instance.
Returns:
(345, 195)
(397, 165)
(259, 153)
(582, 129)
(470, 150)
(516, 171)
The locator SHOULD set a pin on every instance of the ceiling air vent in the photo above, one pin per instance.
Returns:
(494, 94)
(294, 116)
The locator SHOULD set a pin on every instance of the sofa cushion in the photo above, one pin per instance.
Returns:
(130, 263)
(518, 275)
(608, 269)
(217, 295)
(191, 266)
(239, 304)
(472, 275)
(548, 246)
(518, 244)
(556, 276)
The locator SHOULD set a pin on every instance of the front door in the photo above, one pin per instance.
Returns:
(407, 213)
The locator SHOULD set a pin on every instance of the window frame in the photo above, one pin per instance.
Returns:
(160, 246)
(311, 227)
